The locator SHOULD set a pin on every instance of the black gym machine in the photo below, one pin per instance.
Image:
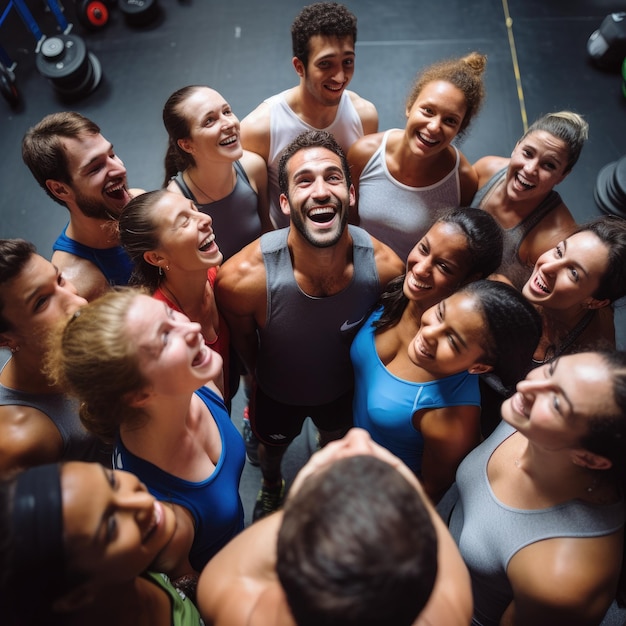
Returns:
(63, 58)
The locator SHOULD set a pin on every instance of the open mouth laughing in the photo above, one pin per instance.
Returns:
(322, 215)
(207, 243)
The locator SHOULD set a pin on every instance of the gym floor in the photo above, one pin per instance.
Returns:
(537, 62)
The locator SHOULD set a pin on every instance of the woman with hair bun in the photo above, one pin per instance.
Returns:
(519, 191)
(403, 177)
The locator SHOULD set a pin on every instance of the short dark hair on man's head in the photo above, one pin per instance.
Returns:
(357, 546)
(42, 146)
(310, 139)
(329, 19)
(14, 255)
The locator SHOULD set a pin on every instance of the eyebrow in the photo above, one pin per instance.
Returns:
(442, 304)
(95, 158)
(561, 390)
(576, 263)
(35, 292)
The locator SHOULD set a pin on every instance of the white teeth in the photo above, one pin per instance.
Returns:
(207, 242)
(321, 210)
(414, 283)
(229, 141)
(523, 182)
(426, 140)
(541, 285)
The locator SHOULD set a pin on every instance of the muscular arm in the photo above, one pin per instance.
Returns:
(255, 131)
(28, 437)
(241, 296)
(359, 154)
(89, 281)
(256, 169)
(388, 263)
(563, 581)
(449, 434)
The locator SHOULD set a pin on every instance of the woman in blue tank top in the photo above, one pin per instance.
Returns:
(423, 403)
(146, 381)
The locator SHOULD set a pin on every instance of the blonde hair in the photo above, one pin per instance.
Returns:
(92, 358)
(464, 73)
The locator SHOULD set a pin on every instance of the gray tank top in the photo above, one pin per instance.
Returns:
(236, 220)
(512, 266)
(78, 444)
(304, 351)
(490, 533)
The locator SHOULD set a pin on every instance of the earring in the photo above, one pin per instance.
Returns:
(160, 271)
(15, 349)
(167, 268)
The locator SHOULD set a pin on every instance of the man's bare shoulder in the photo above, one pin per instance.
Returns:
(27, 437)
(255, 130)
(366, 111)
(89, 281)
(242, 275)
(388, 263)
(234, 580)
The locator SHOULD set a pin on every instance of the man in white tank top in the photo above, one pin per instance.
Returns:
(323, 38)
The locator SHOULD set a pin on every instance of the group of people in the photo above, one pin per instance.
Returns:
(447, 327)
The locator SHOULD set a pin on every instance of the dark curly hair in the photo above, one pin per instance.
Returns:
(329, 19)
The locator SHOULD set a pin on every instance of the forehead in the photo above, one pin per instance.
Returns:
(83, 149)
(588, 383)
(83, 497)
(202, 101)
(443, 93)
(164, 211)
(447, 239)
(36, 272)
(590, 249)
(545, 141)
(325, 45)
(313, 159)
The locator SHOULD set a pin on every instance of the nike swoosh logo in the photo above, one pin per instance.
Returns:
(348, 325)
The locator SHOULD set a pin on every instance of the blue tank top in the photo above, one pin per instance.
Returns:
(114, 263)
(384, 404)
(214, 503)
(304, 350)
(236, 220)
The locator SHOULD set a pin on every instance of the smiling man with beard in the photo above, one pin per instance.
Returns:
(78, 168)
(293, 300)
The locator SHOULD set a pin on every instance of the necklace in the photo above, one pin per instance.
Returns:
(209, 196)
(173, 298)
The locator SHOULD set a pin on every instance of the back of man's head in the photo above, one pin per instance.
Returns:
(357, 546)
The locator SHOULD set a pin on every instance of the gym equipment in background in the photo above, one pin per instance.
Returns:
(610, 189)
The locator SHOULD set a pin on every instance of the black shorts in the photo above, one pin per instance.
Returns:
(278, 424)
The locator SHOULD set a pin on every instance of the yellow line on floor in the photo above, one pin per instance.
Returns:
(518, 78)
